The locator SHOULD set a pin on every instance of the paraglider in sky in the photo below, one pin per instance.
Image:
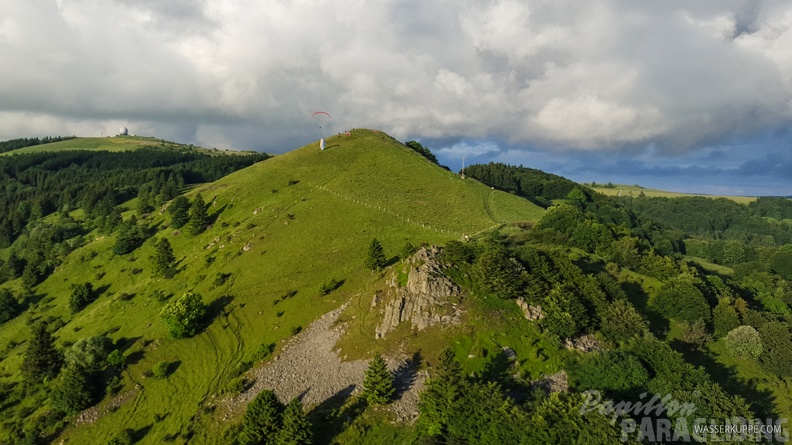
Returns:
(321, 117)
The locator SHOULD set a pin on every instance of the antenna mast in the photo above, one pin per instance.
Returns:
(463, 168)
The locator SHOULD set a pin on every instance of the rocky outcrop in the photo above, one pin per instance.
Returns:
(428, 297)
(531, 312)
(586, 343)
(557, 382)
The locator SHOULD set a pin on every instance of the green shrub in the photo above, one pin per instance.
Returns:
(160, 370)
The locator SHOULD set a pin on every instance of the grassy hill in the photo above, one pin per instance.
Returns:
(116, 143)
(635, 190)
(282, 227)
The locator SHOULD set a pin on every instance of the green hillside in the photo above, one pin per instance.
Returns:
(636, 190)
(282, 227)
(116, 143)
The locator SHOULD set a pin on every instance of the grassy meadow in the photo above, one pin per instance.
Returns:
(281, 227)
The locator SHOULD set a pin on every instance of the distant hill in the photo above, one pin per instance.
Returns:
(116, 143)
(635, 190)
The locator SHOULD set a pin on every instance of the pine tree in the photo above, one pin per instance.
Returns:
(378, 384)
(180, 211)
(199, 219)
(443, 392)
(41, 359)
(262, 420)
(296, 428)
(81, 296)
(9, 307)
(71, 392)
(164, 260)
(376, 256)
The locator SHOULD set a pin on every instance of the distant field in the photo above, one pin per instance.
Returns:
(117, 143)
(635, 190)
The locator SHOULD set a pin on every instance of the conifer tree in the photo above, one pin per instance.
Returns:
(180, 211)
(295, 428)
(375, 260)
(378, 384)
(262, 420)
(443, 392)
(9, 307)
(164, 260)
(41, 359)
(71, 392)
(199, 218)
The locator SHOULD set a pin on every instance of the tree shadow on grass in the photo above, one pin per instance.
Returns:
(762, 401)
(331, 417)
(658, 324)
(217, 308)
(140, 433)
(406, 374)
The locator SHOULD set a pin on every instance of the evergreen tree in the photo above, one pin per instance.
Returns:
(441, 397)
(180, 211)
(407, 251)
(130, 237)
(262, 420)
(199, 218)
(41, 358)
(81, 296)
(375, 260)
(71, 392)
(295, 428)
(499, 274)
(378, 385)
(724, 318)
(164, 261)
(9, 307)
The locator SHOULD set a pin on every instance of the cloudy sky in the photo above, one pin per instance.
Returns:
(682, 95)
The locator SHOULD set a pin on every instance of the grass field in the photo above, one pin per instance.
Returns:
(635, 190)
(305, 217)
(116, 143)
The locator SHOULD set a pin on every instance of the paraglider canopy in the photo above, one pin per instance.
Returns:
(321, 117)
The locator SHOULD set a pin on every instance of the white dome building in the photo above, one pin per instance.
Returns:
(123, 131)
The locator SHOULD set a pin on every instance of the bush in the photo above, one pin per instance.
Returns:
(611, 371)
(235, 386)
(184, 315)
(263, 351)
(682, 300)
(89, 353)
(116, 359)
(81, 296)
(160, 370)
(329, 286)
(9, 307)
(499, 274)
(744, 341)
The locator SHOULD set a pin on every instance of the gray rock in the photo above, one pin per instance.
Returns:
(425, 300)
(531, 312)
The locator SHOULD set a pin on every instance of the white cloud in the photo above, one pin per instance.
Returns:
(609, 74)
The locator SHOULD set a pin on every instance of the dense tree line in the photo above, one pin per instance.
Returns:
(523, 181)
(35, 185)
(718, 219)
(14, 144)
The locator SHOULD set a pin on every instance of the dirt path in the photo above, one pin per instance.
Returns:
(309, 367)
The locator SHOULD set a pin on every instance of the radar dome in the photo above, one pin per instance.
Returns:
(123, 131)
